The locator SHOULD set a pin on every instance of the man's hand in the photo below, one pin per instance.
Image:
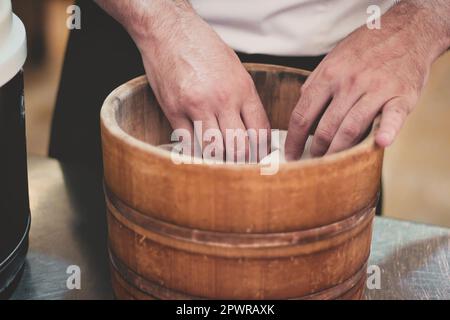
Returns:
(193, 73)
(369, 72)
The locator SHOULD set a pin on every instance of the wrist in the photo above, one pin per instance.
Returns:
(158, 21)
(439, 31)
(433, 20)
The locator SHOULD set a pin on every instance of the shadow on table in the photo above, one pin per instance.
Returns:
(85, 192)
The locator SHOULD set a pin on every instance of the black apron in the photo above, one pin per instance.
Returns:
(99, 58)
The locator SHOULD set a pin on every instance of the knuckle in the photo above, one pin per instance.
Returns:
(307, 95)
(310, 90)
(351, 83)
(352, 79)
(328, 71)
(299, 119)
(323, 136)
(245, 82)
(306, 90)
(401, 110)
(192, 97)
(199, 98)
(351, 131)
(221, 95)
(359, 116)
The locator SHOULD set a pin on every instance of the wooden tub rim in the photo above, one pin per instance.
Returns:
(109, 123)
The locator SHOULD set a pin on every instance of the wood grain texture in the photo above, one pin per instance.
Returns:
(67, 206)
(226, 231)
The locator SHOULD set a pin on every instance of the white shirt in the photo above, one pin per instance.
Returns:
(286, 27)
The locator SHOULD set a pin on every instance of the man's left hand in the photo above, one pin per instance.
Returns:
(369, 72)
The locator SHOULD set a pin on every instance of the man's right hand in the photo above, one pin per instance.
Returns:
(193, 73)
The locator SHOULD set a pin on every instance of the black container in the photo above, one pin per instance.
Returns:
(14, 204)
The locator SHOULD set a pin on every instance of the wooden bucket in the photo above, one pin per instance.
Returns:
(226, 231)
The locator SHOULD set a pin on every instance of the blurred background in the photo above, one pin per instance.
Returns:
(417, 167)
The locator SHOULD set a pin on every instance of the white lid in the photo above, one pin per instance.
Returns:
(13, 48)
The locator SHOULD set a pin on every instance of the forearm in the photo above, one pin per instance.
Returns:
(439, 15)
(428, 21)
(148, 21)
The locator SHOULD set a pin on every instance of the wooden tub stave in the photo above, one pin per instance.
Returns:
(225, 231)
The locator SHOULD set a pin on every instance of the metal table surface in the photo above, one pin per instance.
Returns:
(69, 229)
